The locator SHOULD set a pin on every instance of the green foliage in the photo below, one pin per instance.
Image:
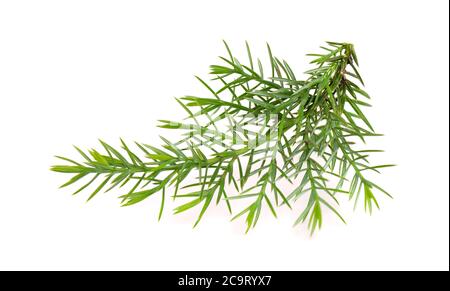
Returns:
(305, 135)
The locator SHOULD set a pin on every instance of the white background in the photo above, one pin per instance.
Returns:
(75, 71)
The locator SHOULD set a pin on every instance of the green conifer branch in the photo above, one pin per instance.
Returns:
(250, 135)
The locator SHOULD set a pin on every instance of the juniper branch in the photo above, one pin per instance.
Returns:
(252, 133)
